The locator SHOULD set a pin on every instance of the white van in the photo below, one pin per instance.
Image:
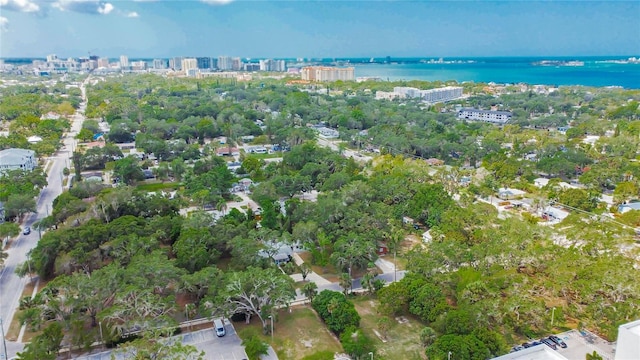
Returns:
(219, 327)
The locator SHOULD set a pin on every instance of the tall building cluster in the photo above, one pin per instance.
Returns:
(272, 65)
(201, 66)
(327, 73)
(442, 94)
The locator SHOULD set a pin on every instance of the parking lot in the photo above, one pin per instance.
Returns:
(228, 347)
(580, 344)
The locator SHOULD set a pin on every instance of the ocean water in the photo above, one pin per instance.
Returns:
(594, 72)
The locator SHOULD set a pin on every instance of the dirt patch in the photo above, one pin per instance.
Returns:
(410, 241)
(297, 334)
(400, 341)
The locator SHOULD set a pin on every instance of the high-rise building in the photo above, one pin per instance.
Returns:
(204, 63)
(272, 65)
(175, 63)
(236, 63)
(224, 63)
(52, 57)
(251, 67)
(327, 73)
(159, 64)
(139, 65)
(103, 62)
(214, 63)
(190, 66)
(124, 61)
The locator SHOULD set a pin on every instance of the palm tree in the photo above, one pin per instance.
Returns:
(345, 282)
(310, 290)
(594, 356)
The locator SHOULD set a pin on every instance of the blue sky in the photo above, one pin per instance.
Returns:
(160, 28)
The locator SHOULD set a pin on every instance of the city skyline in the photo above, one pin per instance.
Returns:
(262, 29)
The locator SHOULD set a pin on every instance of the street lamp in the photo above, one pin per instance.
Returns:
(271, 318)
(553, 313)
(449, 355)
(101, 338)
(371, 354)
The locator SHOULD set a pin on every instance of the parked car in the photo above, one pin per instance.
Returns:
(526, 345)
(536, 343)
(517, 348)
(558, 341)
(26, 231)
(549, 343)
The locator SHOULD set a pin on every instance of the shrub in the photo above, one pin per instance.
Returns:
(336, 311)
(356, 343)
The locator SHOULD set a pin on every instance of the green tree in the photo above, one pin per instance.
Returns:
(153, 345)
(310, 290)
(44, 346)
(594, 356)
(356, 343)
(393, 299)
(254, 347)
(128, 170)
(19, 204)
(336, 311)
(305, 270)
(85, 135)
(255, 292)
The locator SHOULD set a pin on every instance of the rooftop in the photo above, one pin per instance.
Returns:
(540, 352)
(13, 155)
(633, 327)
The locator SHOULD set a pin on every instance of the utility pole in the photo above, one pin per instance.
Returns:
(4, 342)
(395, 267)
(553, 314)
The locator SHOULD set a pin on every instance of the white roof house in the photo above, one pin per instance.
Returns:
(540, 182)
(628, 207)
(555, 213)
(628, 345)
(14, 159)
(508, 193)
(540, 352)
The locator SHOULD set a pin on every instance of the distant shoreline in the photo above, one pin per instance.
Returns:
(592, 71)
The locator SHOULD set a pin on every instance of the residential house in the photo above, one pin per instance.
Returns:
(226, 151)
(628, 207)
(509, 194)
(17, 159)
(550, 213)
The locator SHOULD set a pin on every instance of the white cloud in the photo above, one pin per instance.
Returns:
(84, 6)
(217, 2)
(20, 6)
(3, 23)
(105, 8)
(132, 14)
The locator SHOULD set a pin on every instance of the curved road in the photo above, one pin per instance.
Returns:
(11, 286)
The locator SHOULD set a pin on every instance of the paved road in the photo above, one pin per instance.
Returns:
(348, 153)
(11, 286)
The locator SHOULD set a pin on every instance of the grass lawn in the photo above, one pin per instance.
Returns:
(276, 154)
(158, 186)
(296, 335)
(402, 340)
